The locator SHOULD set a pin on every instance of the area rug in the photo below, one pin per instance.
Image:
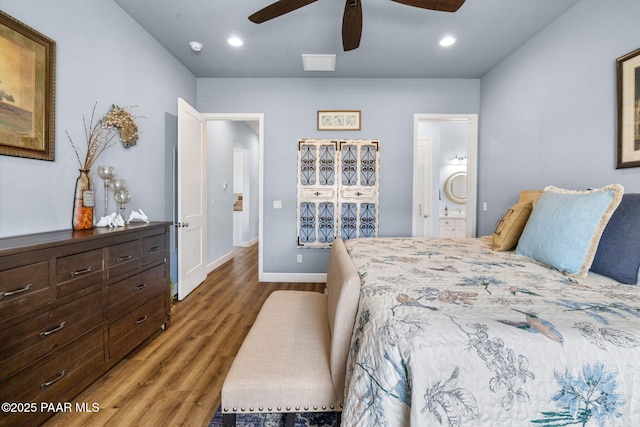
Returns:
(304, 419)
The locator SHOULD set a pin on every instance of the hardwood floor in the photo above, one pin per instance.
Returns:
(175, 377)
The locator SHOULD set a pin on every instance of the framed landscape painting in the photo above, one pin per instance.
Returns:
(628, 76)
(27, 89)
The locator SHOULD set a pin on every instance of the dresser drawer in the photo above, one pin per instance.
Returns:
(130, 292)
(24, 288)
(124, 258)
(153, 249)
(135, 327)
(55, 381)
(77, 272)
(30, 340)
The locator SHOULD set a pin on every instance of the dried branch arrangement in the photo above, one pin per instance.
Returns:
(102, 134)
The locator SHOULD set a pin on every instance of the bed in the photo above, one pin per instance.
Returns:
(452, 332)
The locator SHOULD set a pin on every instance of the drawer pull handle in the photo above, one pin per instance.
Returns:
(80, 272)
(123, 258)
(142, 320)
(15, 292)
(153, 249)
(140, 287)
(52, 331)
(55, 380)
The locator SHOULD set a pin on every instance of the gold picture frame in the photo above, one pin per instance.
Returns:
(27, 90)
(339, 120)
(628, 82)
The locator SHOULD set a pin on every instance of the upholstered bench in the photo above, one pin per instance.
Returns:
(294, 357)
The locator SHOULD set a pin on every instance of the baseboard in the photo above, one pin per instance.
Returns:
(293, 277)
(218, 262)
(249, 243)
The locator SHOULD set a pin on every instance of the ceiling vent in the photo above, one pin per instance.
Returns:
(318, 62)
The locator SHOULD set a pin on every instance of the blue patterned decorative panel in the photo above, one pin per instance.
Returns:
(367, 220)
(349, 164)
(307, 222)
(308, 164)
(327, 164)
(368, 165)
(326, 232)
(337, 190)
(348, 220)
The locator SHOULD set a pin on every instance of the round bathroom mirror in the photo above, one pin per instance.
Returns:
(455, 187)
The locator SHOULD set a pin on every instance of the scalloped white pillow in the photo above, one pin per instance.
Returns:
(565, 227)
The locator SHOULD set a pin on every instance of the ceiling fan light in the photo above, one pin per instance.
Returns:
(447, 41)
(235, 41)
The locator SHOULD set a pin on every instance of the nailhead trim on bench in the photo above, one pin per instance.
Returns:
(288, 408)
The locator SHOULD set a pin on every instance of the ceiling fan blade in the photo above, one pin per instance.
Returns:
(441, 5)
(277, 9)
(352, 25)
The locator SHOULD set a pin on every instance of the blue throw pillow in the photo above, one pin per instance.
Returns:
(565, 227)
(618, 254)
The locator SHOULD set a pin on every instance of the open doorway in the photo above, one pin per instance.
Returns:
(212, 190)
(233, 188)
(445, 175)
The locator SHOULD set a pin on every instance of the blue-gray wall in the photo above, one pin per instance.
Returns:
(290, 109)
(102, 56)
(548, 112)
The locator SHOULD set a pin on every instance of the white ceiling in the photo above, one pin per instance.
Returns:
(397, 40)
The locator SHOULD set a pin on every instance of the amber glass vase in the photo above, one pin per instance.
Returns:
(83, 202)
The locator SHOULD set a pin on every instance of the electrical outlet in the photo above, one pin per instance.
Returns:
(484, 206)
(299, 258)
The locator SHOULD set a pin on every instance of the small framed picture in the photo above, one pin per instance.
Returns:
(339, 120)
(628, 73)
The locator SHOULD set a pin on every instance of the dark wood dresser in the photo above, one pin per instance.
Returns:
(72, 304)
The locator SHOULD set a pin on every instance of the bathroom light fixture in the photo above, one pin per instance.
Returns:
(235, 41)
(195, 46)
(459, 159)
(447, 41)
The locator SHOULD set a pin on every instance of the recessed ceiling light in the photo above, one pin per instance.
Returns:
(235, 41)
(195, 46)
(447, 41)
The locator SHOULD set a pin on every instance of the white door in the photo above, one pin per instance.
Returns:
(422, 183)
(192, 178)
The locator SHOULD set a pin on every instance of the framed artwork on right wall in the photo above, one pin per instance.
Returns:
(628, 80)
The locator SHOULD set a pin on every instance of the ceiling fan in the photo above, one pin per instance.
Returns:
(352, 18)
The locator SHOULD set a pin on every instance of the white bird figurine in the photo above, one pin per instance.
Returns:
(137, 216)
(111, 220)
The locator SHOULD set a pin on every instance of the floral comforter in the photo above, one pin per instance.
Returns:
(449, 332)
